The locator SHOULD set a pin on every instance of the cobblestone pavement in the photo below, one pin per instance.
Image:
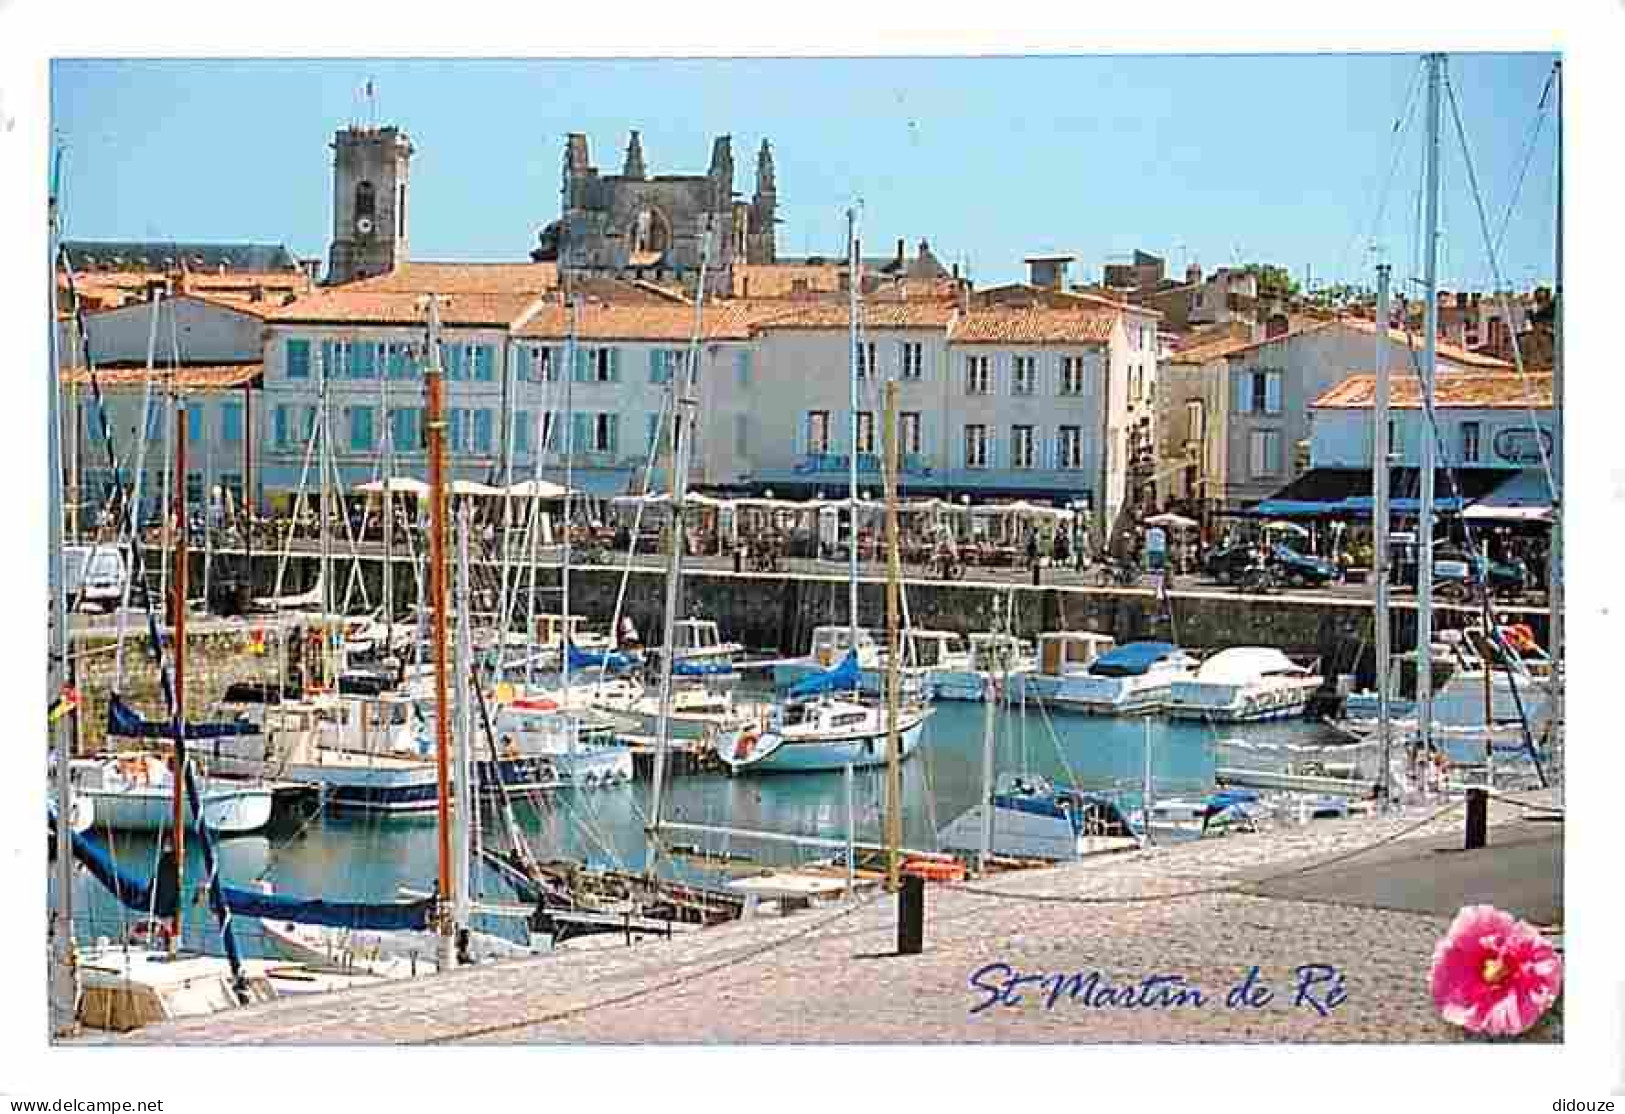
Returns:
(830, 975)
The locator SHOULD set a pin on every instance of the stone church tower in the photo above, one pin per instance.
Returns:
(370, 171)
(635, 225)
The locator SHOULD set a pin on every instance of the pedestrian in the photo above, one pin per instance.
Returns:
(1032, 549)
(1062, 553)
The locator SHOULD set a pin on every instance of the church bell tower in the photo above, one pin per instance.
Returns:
(370, 176)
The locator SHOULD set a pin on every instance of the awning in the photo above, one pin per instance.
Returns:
(1346, 492)
(1525, 496)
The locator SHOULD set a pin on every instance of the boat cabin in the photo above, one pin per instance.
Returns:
(830, 644)
(696, 634)
(930, 649)
(1064, 652)
(996, 653)
(548, 628)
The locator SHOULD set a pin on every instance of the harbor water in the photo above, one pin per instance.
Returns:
(367, 858)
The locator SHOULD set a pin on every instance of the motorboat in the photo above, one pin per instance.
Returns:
(1132, 678)
(1033, 819)
(700, 650)
(1244, 684)
(992, 657)
(823, 732)
(1062, 656)
(135, 792)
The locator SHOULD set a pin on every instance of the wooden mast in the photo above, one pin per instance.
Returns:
(435, 428)
(178, 820)
(894, 756)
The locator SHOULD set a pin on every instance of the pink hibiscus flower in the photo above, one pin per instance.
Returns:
(1493, 973)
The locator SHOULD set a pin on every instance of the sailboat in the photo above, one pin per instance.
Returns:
(824, 724)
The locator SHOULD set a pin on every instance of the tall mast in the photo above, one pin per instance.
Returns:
(894, 657)
(569, 456)
(325, 576)
(436, 429)
(388, 508)
(854, 280)
(463, 781)
(685, 404)
(1379, 524)
(1430, 359)
(62, 991)
(1554, 576)
(178, 822)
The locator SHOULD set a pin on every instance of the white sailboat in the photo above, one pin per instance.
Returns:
(815, 728)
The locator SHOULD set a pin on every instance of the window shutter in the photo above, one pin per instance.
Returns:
(579, 431)
(656, 359)
(1272, 393)
(297, 352)
(482, 431)
(580, 369)
(279, 426)
(742, 359)
(612, 433)
(1241, 391)
(614, 365)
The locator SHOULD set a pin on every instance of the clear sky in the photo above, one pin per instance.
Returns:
(1216, 159)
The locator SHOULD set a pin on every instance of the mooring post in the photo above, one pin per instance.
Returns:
(1478, 817)
(911, 916)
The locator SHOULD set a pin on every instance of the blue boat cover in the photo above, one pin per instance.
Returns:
(843, 677)
(588, 659)
(1131, 659)
(125, 721)
(702, 669)
(138, 894)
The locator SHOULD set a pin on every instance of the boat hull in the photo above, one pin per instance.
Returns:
(1251, 703)
(226, 811)
(774, 753)
(1026, 834)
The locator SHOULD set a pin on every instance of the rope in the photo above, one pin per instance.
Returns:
(1524, 803)
(1240, 888)
(645, 991)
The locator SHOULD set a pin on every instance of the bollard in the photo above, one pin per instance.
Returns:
(911, 916)
(1478, 818)
(1037, 575)
(739, 560)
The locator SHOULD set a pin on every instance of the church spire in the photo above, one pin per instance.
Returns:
(634, 159)
(765, 186)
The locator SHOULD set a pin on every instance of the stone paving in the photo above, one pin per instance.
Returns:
(830, 976)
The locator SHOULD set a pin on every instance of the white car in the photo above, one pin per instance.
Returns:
(95, 574)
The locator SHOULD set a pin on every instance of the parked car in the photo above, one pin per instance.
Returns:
(1230, 563)
(1455, 570)
(95, 574)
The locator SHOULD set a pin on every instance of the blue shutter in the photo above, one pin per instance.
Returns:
(653, 423)
(279, 426)
(1272, 393)
(364, 360)
(297, 356)
(524, 363)
(742, 358)
(581, 369)
(580, 434)
(482, 431)
(194, 423)
(327, 360)
(485, 363)
(1241, 384)
(521, 431)
(614, 365)
(657, 365)
(612, 441)
(231, 423)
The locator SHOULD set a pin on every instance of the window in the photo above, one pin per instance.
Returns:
(976, 446)
(1195, 420)
(457, 424)
(1259, 392)
(1469, 442)
(866, 431)
(484, 359)
(335, 359)
(279, 427)
(296, 353)
(742, 366)
(231, 423)
(194, 423)
(400, 213)
(366, 360)
(547, 438)
(664, 363)
(1024, 375)
(866, 359)
(978, 375)
(365, 204)
(360, 428)
(818, 431)
(741, 435)
(539, 365)
(406, 430)
(913, 360)
(908, 431)
(482, 432)
(1396, 440)
(1021, 446)
(1071, 375)
(399, 359)
(601, 365)
(604, 430)
(522, 428)
(1264, 452)
(455, 360)
(652, 432)
(1070, 445)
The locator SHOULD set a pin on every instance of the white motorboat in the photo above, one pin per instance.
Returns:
(1133, 678)
(134, 792)
(127, 986)
(992, 657)
(701, 650)
(1034, 820)
(1244, 684)
(1062, 656)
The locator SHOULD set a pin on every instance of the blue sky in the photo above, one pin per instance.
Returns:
(1208, 158)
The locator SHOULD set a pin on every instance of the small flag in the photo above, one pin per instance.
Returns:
(68, 702)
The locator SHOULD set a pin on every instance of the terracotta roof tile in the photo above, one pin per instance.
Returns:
(416, 277)
(1033, 326)
(348, 305)
(934, 314)
(1399, 337)
(215, 377)
(784, 280)
(653, 321)
(1466, 390)
(1209, 350)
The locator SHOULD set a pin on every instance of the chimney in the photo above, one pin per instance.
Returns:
(1048, 271)
(964, 295)
(1277, 325)
(313, 270)
(900, 257)
(956, 272)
